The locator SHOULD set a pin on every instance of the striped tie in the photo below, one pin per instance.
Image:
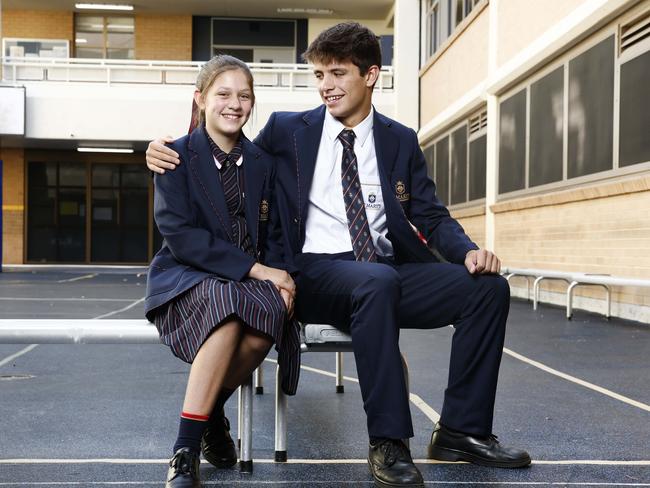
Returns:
(364, 249)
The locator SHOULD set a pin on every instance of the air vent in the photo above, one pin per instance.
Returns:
(478, 122)
(635, 31)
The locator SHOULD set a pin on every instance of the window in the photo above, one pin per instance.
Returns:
(561, 125)
(459, 165)
(104, 37)
(634, 116)
(512, 143)
(456, 162)
(547, 128)
(459, 10)
(634, 138)
(88, 211)
(119, 213)
(56, 219)
(255, 41)
(591, 110)
(442, 170)
(432, 27)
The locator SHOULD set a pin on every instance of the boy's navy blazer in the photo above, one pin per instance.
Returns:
(192, 216)
(409, 195)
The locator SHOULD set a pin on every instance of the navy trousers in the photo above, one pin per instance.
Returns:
(375, 300)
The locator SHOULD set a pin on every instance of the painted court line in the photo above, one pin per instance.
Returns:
(560, 462)
(578, 381)
(84, 277)
(140, 300)
(415, 399)
(347, 482)
(8, 359)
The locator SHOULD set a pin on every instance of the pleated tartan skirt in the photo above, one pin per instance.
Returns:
(187, 321)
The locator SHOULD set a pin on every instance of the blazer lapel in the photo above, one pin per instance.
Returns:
(306, 141)
(205, 174)
(386, 147)
(253, 184)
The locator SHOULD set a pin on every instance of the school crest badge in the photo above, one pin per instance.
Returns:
(264, 210)
(400, 191)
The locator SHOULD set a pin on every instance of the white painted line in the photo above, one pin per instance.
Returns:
(561, 462)
(84, 277)
(424, 407)
(578, 381)
(80, 299)
(8, 359)
(347, 482)
(120, 310)
(415, 399)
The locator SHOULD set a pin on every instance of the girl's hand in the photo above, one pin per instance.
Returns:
(280, 278)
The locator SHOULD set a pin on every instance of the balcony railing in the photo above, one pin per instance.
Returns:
(112, 71)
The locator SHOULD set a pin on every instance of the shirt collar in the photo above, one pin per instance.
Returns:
(220, 156)
(362, 130)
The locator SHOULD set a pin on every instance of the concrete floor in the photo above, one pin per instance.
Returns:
(106, 415)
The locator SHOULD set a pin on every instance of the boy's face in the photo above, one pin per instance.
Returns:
(346, 94)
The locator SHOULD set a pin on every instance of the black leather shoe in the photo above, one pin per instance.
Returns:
(449, 445)
(391, 465)
(183, 470)
(216, 444)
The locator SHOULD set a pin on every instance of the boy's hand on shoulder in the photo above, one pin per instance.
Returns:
(160, 157)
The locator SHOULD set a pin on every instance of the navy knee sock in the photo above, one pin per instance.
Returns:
(190, 432)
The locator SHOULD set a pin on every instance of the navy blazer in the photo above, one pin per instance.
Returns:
(191, 213)
(409, 195)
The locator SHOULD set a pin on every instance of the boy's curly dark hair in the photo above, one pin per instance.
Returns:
(347, 41)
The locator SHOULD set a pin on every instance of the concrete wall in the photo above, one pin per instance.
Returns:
(449, 75)
(521, 22)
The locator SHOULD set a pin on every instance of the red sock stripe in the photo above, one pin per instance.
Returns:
(192, 416)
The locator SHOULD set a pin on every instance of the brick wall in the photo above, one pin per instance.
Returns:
(163, 37)
(38, 24)
(13, 201)
(598, 229)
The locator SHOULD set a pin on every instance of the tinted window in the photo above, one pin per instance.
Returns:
(512, 143)
(591, 110)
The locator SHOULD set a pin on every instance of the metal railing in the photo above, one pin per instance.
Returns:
(573, 280)
(113, 71)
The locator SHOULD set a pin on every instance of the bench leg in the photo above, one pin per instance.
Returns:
(259, 380)
(339, 373)
(280, 420)
(246, 412)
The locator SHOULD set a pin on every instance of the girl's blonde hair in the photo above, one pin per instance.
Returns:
(208, 73)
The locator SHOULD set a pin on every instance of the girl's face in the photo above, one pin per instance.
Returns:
(227, 103)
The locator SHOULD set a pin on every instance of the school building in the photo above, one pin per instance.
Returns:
(534, 117)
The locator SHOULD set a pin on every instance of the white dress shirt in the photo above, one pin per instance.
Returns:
(326, 228)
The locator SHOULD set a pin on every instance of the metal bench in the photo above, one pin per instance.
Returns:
(120, 331)
(318, 338)
(573, 280)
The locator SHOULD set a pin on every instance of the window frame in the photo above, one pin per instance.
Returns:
(446, 134)
(105, 49)
(566, 182)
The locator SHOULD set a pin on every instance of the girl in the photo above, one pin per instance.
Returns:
(214, 304)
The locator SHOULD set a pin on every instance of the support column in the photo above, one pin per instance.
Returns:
(406, 61)
(492, 152)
